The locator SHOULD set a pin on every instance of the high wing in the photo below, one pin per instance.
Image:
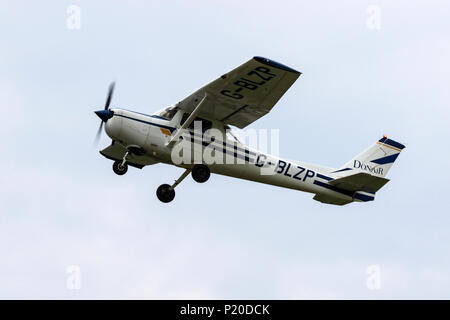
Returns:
(243, 95)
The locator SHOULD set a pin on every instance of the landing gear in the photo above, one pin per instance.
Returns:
(200, 173)
(166, 193)
(120, 168)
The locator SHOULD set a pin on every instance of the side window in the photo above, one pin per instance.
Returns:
(184, 118)
(206, 124)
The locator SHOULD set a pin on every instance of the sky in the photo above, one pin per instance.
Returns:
(368, 68)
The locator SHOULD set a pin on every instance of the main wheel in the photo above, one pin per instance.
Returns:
(164, 193)
(120, 169)
(200, 173)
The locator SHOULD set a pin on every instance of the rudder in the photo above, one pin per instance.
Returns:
(376, 160)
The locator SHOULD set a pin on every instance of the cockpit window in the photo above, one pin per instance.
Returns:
(206, 124)
(168, 112)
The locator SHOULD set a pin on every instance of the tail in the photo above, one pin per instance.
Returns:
(360, 178)
(376, 160)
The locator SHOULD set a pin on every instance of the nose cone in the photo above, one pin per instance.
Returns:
(104, 114)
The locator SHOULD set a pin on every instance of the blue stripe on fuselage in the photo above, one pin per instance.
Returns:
(324, 177)
(363, 197)
(352, 194)
(204, 143)
(345, 169)
(171, 129)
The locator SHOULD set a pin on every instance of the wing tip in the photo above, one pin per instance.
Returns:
(275, 64)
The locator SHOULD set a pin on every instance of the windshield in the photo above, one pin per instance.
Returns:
(167, 113)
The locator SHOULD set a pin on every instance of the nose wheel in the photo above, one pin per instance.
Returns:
(120, 168)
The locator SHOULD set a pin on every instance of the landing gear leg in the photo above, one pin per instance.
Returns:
(125, 156)
(166, 193)
(121, 167)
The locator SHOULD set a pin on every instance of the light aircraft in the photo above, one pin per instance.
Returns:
(199, 124)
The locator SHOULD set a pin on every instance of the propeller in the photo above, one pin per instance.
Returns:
(104, 114)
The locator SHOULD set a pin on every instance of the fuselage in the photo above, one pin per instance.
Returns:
(153, 133)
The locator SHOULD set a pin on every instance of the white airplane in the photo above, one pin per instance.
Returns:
(237, 98)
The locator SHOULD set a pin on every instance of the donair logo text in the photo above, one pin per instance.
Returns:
(372, 169)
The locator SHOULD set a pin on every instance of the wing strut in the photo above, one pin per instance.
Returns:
(187, 123)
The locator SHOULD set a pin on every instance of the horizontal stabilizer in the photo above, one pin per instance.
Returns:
(360, 182)
(330, 200)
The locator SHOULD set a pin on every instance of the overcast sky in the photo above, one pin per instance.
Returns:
(62, 205)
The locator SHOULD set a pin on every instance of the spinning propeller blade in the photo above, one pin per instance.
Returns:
(104, 114)
(110, 93)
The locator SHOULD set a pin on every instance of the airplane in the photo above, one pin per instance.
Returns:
(200, 124)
